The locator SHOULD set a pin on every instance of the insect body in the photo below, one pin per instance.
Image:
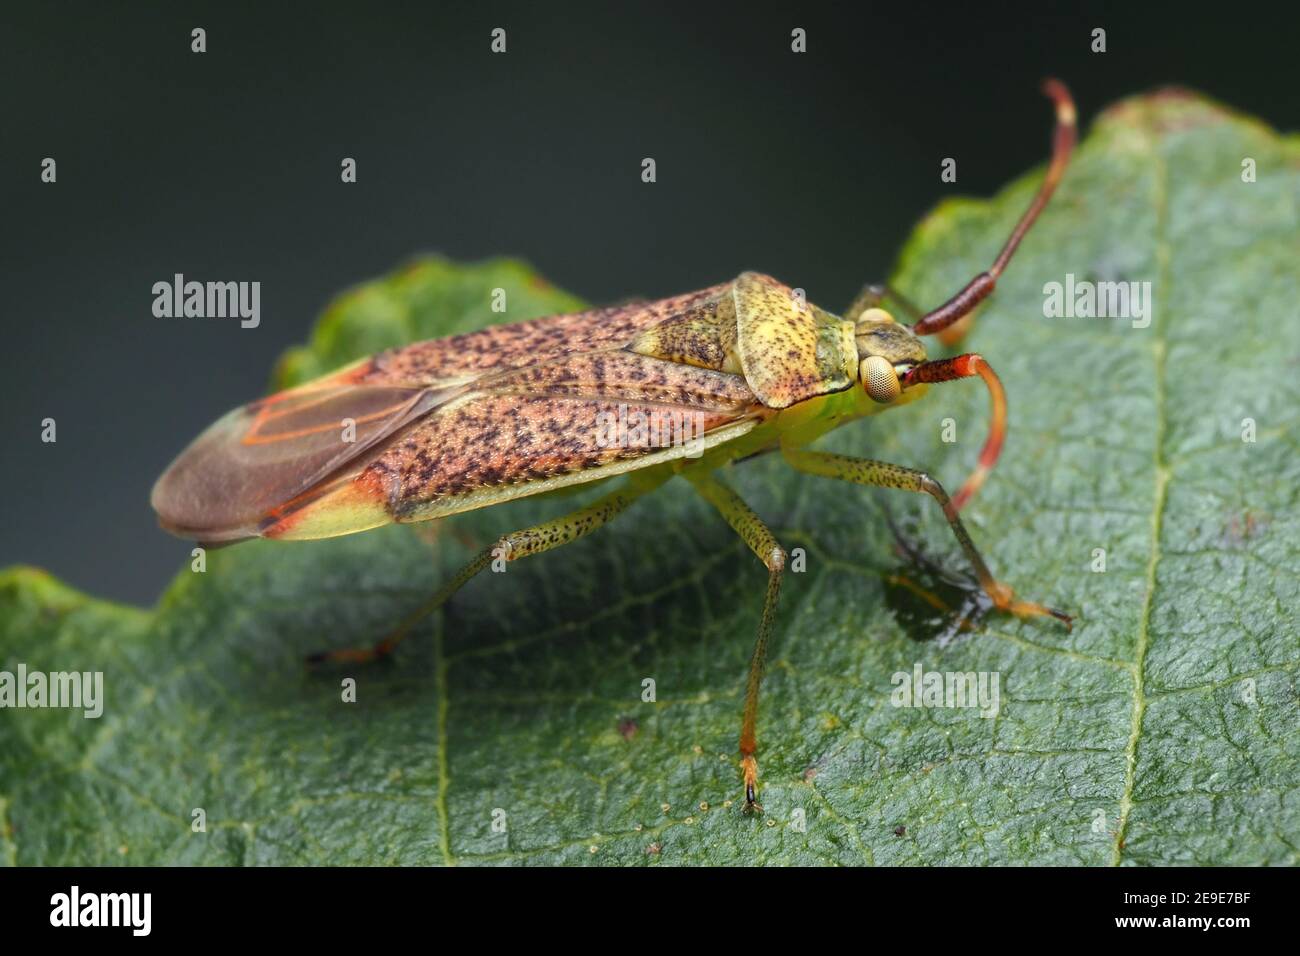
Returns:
(460, 423)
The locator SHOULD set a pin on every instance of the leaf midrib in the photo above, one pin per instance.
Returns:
(1162, 476)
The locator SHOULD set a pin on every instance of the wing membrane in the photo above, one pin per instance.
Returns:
(256, 458)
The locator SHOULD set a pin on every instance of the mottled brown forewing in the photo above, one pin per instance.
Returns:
(466, 357)
(513, 407)
(576, 414)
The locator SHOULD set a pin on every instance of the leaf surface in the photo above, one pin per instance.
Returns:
(512, 728)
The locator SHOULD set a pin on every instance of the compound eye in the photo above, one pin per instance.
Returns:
(879, 379)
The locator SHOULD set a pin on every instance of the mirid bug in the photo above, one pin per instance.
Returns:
(454, 424)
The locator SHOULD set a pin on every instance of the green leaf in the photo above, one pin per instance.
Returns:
(1161, 730)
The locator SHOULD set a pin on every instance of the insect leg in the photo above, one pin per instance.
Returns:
(877, 292)
(761, 541)
(863, 471)
(543, 537)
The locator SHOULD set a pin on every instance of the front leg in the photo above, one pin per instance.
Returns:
(863, 471)
(874, 295)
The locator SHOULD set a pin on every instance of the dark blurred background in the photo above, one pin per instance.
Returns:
(225, 166)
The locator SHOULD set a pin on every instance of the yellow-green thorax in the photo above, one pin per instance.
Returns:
(814, 369)
(788, 350)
